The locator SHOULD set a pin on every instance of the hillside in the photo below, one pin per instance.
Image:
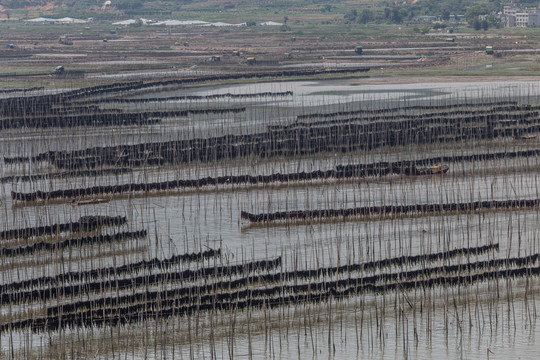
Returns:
(362, 11)
(437, 7)
(424, 6)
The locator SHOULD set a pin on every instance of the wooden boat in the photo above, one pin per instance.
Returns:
(432, 170)
(526, 137)
(88, 202)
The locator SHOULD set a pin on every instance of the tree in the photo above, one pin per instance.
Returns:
(284, 28)
(473, 12)
(439, 7)
(438, 26)
(446, 15)
(397, 17)
(351, 15)
(485, 25)
(128, 4)
(366, 16)
(387, 13)
(477, 24)
(494, 21)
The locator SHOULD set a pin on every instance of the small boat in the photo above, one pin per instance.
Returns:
(88, 202)
(431, 170)
(526, 137)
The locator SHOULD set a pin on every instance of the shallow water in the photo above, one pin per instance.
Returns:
(460, 322)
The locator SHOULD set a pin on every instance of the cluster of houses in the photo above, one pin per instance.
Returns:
(515, 16)
(511, 16)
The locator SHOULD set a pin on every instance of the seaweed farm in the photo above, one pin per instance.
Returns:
(277, 219)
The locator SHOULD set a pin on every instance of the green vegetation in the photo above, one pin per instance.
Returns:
(325, 31)
(446, 8)
(290, 12)
(362, 12)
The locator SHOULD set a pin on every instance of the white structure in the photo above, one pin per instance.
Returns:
(189, 23)
(522, 19)
(64, 20)
(514, 16)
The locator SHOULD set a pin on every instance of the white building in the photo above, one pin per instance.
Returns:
(514, 16)
(522, 19)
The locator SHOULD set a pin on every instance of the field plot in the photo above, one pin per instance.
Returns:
(290, 219)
